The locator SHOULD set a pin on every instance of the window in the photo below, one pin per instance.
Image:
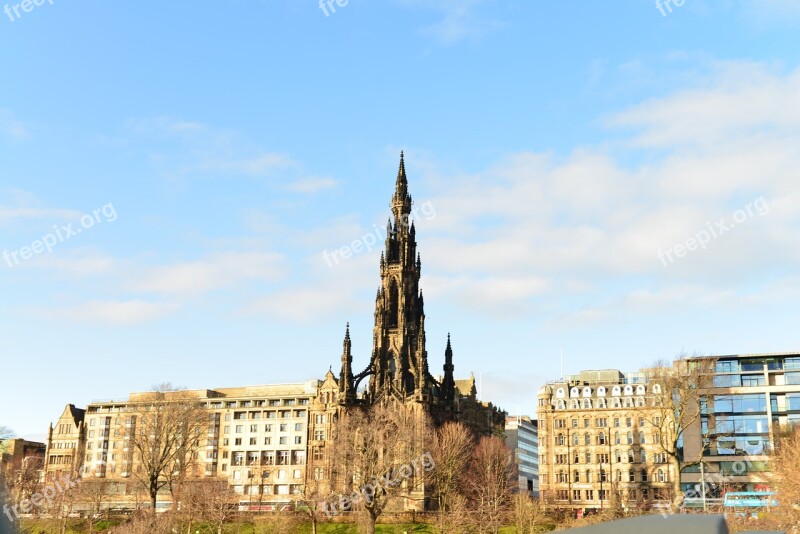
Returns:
(238, 441)
(267, 428)
(630, 456)
(319, 473)
(641, 422)
(643, 456)
(576, 477)
(284, 427)
(601, 403)
(616, 438)
(298, 427)
(603, 476)
(589, 495)
(587, 439)
(319, 435)
(588, 457)
(586, 422)
(239, 429)
(575, 439)
(560, 423)
(629, 436)
(601, 438)
(253, 428)
(253, 441)
(616, 422)
(574, 423)
(644, 475)
(298, 440)
(282, 440)
(588, 476)
(617, 456)
(576, 495)
(661, 476)
(603, 422)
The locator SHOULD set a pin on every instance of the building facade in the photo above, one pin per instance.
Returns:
(597, 446)
(751, 398)
(522, 437)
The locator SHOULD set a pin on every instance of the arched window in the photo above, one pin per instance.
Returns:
(601, 391)
(575, 439)
(616, 438)
(601, 403)
(588, 457)
(587, 439)
(644, 475)
(619, 475)
(617, 456)
(601, 438)
(393, 304)
(576, 458)
(643, 456)
(587, 404)
(630, 456)
(560, 439)
(630, 438)
(661, 476)
(603, 477)
(631, 477)
(573, 392)
(562, 476)
(560, 405)
(588, 476)
(576, 476)
(616, 403)
(657, 389)
(640, 402)
(574, 404)
(642, 437)
(628, 402)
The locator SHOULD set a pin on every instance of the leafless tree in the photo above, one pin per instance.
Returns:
(164, 430)
(451, 449)
(528, 513)
(785, 462)
(378, 455)
(491, 482)
(94, 493)
(312, 498)
(678, 391)
(210, 499)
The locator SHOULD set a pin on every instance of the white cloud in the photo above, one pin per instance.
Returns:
(115, 312)
(12, 127)
(223, 269)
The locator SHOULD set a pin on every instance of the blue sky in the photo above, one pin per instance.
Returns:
(223, 146)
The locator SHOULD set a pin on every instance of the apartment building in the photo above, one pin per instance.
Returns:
(523, 439)
(256, 438)
(598, 446)
(751, 398)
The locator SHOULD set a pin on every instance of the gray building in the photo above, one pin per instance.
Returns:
(522, 437)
